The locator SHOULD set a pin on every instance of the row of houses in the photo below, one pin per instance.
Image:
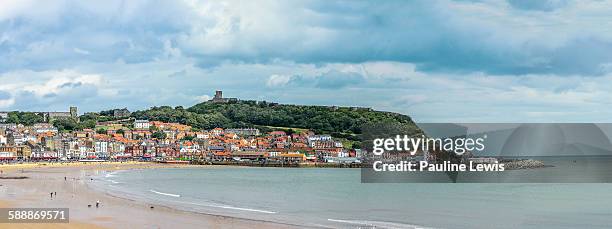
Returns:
(148, 140)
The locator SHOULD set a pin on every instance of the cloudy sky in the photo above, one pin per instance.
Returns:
(438, 61)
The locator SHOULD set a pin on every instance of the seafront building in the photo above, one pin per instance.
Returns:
(155, 140)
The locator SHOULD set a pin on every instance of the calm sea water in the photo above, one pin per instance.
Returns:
(336, 198)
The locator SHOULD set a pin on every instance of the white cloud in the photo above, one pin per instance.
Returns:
(202, 98)
(62, 81)
(48, 89)
(278, 80)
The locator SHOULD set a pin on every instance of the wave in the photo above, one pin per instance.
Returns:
(243, 209)
(111, 174)
(227, 207)
(108, 176)
(378, 224)
(165, 194)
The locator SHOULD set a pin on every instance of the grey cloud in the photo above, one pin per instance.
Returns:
(437, 36)
(71, 85)
(433, 35)
(335, 80)
(332, 79)
(67, 96)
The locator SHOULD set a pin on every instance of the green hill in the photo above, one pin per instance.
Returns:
(343, 122)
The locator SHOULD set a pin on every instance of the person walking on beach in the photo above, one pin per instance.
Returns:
(64, 178)
(51, 195)
(97, 203)
(55, 194)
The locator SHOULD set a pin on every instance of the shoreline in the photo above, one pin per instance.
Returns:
(115, 212)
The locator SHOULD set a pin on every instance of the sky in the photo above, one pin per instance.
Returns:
(437, 61)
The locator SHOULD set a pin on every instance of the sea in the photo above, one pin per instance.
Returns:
(336, 198)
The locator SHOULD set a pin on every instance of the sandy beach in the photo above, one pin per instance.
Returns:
(70, 181)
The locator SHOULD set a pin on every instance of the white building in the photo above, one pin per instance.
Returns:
(18, 139)
(244, 131)
(83, 151)
(216, 131)
(71, 149)
(43, 127)
(338, 144)
(3, 116)
(274, 153)
(142, 124)
(101, 148)
(202, 135)
(9, 126)
(44, 154)
(319, 138)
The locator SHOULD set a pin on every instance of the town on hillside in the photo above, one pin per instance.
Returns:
(143, 140)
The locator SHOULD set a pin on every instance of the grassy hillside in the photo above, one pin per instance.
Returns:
(343, 122)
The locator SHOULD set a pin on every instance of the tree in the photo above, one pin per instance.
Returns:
(101, 131)
(13, 117)
(87, 124)
(66, 124)
(89, 117)
(107, 113)
(321, 119)
(188, 138)
(159, 135)
(28, 118)
(25, 118)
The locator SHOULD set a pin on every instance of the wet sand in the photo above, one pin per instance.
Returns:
(114, 212)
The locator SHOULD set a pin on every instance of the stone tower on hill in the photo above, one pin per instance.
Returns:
(219, 98)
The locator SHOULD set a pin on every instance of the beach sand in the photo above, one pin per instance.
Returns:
(114, 212)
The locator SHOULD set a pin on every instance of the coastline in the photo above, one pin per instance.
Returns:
(114, 212)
